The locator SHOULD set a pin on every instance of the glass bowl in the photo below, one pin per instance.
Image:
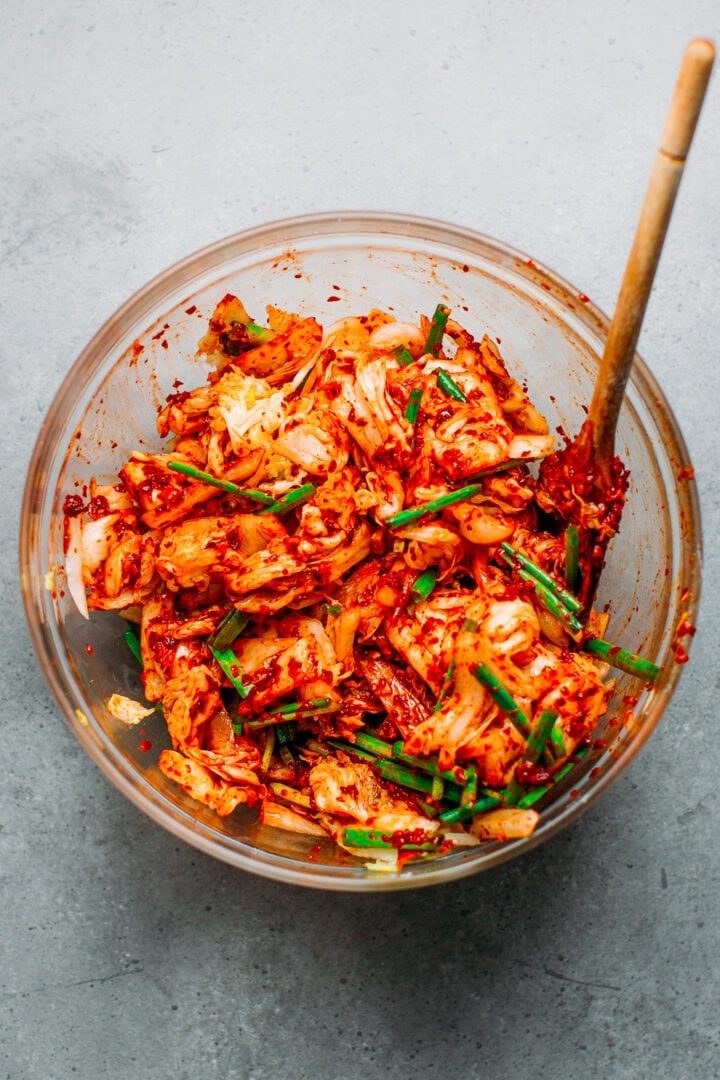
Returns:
(329, 265)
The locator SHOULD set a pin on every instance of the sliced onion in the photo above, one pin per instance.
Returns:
(74, 564)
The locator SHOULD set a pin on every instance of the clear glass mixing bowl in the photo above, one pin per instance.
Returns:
(329, 265)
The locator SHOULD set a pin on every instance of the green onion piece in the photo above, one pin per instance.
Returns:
(540, 735)
(469, 792)
(334, 609)
(404, 357)
(413, 406)
(372, 744)
(448, 385)
(299, 706)
(572, 557)
(301, 709)
(464, 813)
(398, 774)
(228, 661)
(424, 585)
(437, 791)
(286, 732)
(350, 748)
(557, 741)
(447, 683)
(259, 334)
(228, 629)
(290, 501)
(317, 747)
(622, 659)
(406, 517)
(268, 749)
(429, 765)
(437, 328)
(552, 603)
(470, 625)
(291, 795)
(133, 643)
(374, 838)
(503, 699)
(218, 482)
(511, 554)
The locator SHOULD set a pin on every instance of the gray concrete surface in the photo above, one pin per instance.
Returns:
(133, 134)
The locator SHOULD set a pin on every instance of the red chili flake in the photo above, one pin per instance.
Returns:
(145, 745)
(159, 334)
(688, 473)
(89, 649)
(681, 655)
(313, 852)
(529, 262)
(543, 285)
(533, 775)
(137, 348)
(73, 506)
(164, 343)
(574, 793)
(466, 268)
(583, 298)
(191, 310)
(331, 299)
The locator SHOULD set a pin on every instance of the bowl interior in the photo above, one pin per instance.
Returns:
(333, 265)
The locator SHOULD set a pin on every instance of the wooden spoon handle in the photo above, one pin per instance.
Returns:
(645, 252)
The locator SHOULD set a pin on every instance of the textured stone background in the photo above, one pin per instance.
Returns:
(134, 133)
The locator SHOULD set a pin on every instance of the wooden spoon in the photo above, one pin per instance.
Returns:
(588, 466)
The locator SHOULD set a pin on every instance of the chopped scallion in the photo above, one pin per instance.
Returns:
(424, 585)
(291, 501)
(448, 385)
(572, 558)
(228, 629)
(374, 838)
(133, 643)
(413, 406)
(406, 517)
(503, 699)
(228, 661)
(404, 357)
(437, 328)
(622, 659)
(218, 482)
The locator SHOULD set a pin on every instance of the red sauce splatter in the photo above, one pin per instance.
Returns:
(688, 473)
(145, 745)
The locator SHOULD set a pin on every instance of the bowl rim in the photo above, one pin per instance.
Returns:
(69, 696)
